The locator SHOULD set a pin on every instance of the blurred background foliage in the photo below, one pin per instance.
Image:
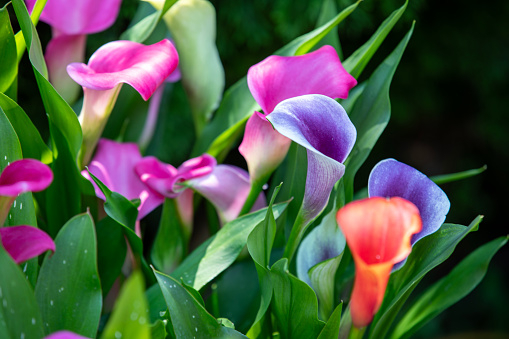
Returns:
(449, 100)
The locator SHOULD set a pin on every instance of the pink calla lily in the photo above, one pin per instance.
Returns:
(27, 175)
(25, 242)
(64, 335)
(114, 164)
(278, 78)
(143, 67)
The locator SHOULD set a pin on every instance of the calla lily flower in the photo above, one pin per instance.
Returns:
(391, 178)
(378, 233)
(227, 188)
(25, 242)
(114, 164)
(143, 67)
(71, 21)
(27, 175)
(64, 335)
(322, 126)
(279, 78)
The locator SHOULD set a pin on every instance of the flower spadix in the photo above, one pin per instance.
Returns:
(278, 78)
(71, 21)
(378, 232)
(142, 67)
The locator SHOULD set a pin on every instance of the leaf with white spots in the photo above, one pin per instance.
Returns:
(68, 289)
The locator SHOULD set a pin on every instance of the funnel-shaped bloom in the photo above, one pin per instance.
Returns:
(227, 188)
(64, 335)
(25, 242)
(114, 165)
(71, 21)
(279, 78)
(22, 176)
(378, 233)
(391, 178)
(143, 67)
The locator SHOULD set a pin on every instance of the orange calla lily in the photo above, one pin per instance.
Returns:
(378, 233)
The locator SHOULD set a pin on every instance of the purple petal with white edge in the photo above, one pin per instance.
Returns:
(227, 188)
(278, 78)
(322, 126)
(324, 242)
(26, 175)
(114, 165)
(64, 335)
(143, 67)
(25, 242)
(391, 178)
(263, 147)
(79, 16)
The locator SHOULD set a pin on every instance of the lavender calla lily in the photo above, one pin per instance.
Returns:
(322, 126)
(25, 242)
(143, 67)
(114, 164)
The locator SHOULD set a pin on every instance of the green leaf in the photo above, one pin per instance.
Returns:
(8, 55)
(449, 290)
(359, 59)
(188, 316)
(68, 290)
(445, 178)
(371, 113)
(170, 244)
(59, 112)
(218, 252)
(130, 313)
(327, 12)
(426, 254)
(19, 314)
(331, 328)
(238, 104)
(294, 304)
(31, 142)
(111, 252)
(158, 330)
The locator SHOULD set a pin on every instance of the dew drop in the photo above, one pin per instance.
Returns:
(142, 320)
(14, 203)
(85, 251)
(22, 336)
(118, 335)
(134, 316)
(5, 158)
(20, 205)
(8, 163)
(10, 216)
(196, 329)
(33, 321)
(377, 257)
(193, 316)
(51, 302)
(64, 262)
(4, 303)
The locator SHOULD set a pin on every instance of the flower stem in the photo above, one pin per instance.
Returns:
(254, 192)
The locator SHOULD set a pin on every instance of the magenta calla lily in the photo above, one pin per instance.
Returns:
(278, 78)
(227, 188)
(114, 164)
(25, 242)
(27, 175)
(143, 67)
(64, 335)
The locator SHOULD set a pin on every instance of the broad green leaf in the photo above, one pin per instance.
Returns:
(158, 330)
(327, 12)
(331, 328)
(59, 112)
(19, 314)
(322, 277)
(8, 55)
(445, 178)
(371, 113)
(111, 252)
(170, 244)
(129, 319)
(31, 142)
(238, 104)
(20, 39)
(359, 59)
(294, 304)
(456, 285)
(218, 252)
(426, 254)
(68, 290)
(188, 316)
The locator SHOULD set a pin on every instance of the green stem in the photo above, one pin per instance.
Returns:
(254, 192)
(356, 333)
(298, 229)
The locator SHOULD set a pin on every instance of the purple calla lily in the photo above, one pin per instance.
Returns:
(322, 126)
(71, 21)
(25, 242)
(143, 67)
(114, 164)
(391, 178)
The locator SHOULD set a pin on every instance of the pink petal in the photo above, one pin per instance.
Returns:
(227, 188)
(114, 164)
(143, 67)
(25, 242)
(79, 16)
(64, 335)
(27, 175)
(263, 147)
(278, 78)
